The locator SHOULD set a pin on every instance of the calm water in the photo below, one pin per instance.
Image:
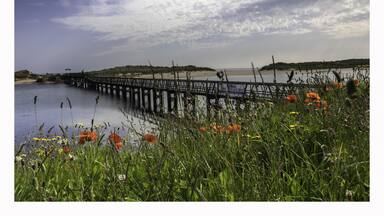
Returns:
(49, 112)
(281, 76)
(108, 110)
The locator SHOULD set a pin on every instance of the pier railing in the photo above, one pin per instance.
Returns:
(168, 95)
(233, 89)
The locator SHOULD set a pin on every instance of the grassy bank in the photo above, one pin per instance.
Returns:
(313, 146)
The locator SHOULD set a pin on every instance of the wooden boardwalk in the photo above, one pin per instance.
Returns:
(172, 95)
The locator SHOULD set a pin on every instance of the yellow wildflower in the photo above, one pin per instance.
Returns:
(293, 126)
(293, 113)
(254, 137)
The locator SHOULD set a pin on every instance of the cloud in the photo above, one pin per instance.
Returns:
(147, 23)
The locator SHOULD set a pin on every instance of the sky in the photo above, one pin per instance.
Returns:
(51, 35)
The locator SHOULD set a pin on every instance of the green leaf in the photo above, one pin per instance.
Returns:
(224, 177)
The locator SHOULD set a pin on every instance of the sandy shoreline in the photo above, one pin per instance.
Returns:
(25, 81)
(31, 81)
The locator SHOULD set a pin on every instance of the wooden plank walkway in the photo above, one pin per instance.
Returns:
(168, 95)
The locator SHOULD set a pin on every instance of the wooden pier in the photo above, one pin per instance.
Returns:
(162, 96)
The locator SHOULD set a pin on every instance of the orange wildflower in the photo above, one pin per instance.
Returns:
(291, 98)
(307, 101)
(328, 88)
(218, 128)
(233, 128)
(82, 140)
(356, 82)
(114, 138)
(321, 104)
(93, 136)
(313, 96)
(118, 146)
(203, 129)
(338, 85)
(150, 138)
(87, 136)
(66, 149)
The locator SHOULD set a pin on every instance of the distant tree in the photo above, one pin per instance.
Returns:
(348, 63)
(22, 74)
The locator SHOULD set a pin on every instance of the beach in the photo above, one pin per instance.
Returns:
(25, 81)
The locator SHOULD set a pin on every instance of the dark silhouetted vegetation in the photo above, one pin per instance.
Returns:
(133, 70)
(22, 74)
(348, 63)
(40, 78)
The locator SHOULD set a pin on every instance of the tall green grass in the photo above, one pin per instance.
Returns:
(283, 152)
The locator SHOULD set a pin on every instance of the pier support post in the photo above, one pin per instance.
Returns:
(125, 94)
(194, 98)
(131, 96)
(135, 99)
(175, 103)
(169, 102)
(154, 97)
(149, 99)
(113, 87)
(208, 104)
(161, 93)
(142, 98)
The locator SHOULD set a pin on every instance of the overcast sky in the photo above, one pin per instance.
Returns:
(52, 35)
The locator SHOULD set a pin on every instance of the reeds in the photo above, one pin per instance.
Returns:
(272, 152)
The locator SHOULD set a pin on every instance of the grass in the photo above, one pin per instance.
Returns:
(281, 152)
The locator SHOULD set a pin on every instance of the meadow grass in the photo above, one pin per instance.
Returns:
(270, 151)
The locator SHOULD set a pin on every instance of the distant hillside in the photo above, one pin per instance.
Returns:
(144, 69)
(348, 63)
(40, 78)
(23, 74)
